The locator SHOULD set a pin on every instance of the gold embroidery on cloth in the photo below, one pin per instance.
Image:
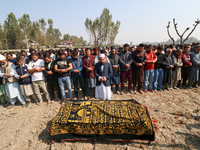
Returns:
(102, 117)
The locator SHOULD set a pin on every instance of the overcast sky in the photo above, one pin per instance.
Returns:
(141, 21)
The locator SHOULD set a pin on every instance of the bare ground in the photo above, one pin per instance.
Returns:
(177, 113)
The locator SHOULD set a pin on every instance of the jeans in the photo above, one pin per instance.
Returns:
(116, 87)
(148, 75)
(158, 77)
(62, 81)
(76, 80)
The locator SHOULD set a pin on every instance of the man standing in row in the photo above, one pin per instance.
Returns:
(36, 68)
(103, 73)
(194, 75)
(125, 58)
(51, 78)
(63, 66)
(149, 68)
(88, 70)
(139, 57)
(187, 63)
(77, 74)
(159, 69)
(114, 60)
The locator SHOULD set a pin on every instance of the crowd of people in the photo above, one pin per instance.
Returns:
(98, 72)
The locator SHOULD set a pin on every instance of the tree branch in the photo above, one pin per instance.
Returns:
(195, 25)
(175, 26)
(169, 33)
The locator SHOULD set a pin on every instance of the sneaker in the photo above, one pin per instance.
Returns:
(11, 106)
(155, 91)
(175, 88)
(145, 91)
(152, 91)
(28, 104)
(24, 105)
(160, 90)
(122, 92)
(189, 87)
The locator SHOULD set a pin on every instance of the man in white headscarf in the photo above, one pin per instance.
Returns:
(103, 72)
(11, 84)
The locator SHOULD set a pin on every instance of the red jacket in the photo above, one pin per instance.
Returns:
(149, 65)
(186, 58)
(86, 65)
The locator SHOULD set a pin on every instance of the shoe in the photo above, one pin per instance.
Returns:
(160, 90)
(152, 91)
(196, 87)
(5, 104)
(11, 106)
(175, 88)
(135, 92)
(184, 87)
(28, 104)
(24, 105)
(189, 87)
(145, 91)
(122, 92)
(131, 91)
(155, 91)
(170, 88)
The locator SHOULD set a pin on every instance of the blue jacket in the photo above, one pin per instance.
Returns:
(20, 71)
(107, 72)
(77, 64)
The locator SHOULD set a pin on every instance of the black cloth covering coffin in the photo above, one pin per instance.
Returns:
(104, 120)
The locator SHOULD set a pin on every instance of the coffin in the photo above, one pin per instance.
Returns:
(102, 120)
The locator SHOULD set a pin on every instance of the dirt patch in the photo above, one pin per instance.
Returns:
(177, 113)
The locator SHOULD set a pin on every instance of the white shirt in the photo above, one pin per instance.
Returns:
(37, 76)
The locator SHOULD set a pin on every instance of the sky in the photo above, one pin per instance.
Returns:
(141, 20)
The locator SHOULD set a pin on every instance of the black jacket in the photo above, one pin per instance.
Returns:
(54, 75)
(107, 72)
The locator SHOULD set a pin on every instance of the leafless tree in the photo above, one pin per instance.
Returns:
(182, 41)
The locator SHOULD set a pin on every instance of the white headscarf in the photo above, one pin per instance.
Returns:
(2, 57)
